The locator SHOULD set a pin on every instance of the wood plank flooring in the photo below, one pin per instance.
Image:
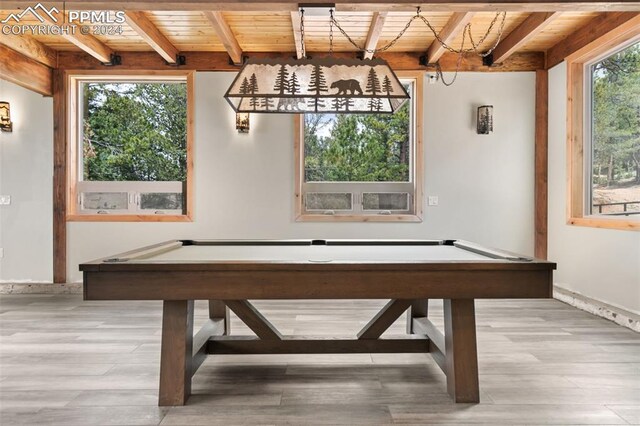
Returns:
(68, 362)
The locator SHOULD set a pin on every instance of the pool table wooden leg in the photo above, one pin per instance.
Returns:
(176, 352)
(419, 309)
(461, 350)
(218, 310)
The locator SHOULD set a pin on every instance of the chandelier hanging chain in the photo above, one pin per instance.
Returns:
(331, 21)
(461, 56)
(467, 30)
(382, 49)
(303, 51)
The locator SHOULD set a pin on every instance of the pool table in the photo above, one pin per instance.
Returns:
(229, 273)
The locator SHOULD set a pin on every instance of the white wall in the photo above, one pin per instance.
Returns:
(244, 183)
(26, 167)
(602, 264)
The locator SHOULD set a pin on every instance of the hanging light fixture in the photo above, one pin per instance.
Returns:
(324, 85)
(316, 85)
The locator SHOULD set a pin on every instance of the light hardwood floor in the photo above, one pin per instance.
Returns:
(68, 362)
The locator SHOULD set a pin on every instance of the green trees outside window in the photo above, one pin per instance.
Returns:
(615, 132)
(134, 131)
(358, 147)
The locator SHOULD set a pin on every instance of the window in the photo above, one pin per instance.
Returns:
(361, 167)
(604, 132)
(130, 148)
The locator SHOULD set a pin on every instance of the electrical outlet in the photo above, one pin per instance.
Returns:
(433, 200)
(433, 78)
(5, 200)
(1, 253)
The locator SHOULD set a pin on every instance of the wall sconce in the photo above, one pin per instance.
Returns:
(242, 122)
(485, 119)
(5, 117)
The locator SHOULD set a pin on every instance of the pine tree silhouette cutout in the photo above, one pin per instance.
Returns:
(373, 82)
(266, 103)
(294, 85)
(337, 103)
(386, 85)
(282, 80)
(317, 85)
(253, 88)
(348, 103)
(244, 87)
(375, 104)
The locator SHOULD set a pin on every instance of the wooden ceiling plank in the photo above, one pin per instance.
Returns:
(297, 33)
(449, 32)
(225, 35)
(522, 34)
(593, 30)
(25, 72)
(341, 5)
(146, 29)
(31, 48)
(375, 30)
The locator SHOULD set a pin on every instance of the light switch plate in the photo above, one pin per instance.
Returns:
(5, 200)
(433, 200)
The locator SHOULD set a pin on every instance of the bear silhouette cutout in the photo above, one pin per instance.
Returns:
(343, 86)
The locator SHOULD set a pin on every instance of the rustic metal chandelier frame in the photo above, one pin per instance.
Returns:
(331, 84)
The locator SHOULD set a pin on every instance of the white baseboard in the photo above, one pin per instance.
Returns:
(616, 314)
(40, 288)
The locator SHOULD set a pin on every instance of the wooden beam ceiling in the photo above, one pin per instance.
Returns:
(25, 72)
(219, 61)
(596, 28)
(31, 48)
(152, 35)
(225, 35)
(297, 34)
(88, 43)
(341, 5)
(451, 30)
(375, 30)
(533, 25)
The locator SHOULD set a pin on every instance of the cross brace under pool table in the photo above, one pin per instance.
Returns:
(182, 352)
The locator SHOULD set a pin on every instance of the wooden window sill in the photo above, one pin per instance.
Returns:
(127, 218)
(605, 223)
(402, 218)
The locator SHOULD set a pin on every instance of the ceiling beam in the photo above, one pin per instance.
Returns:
(522, 34)
(449, 32)
(219, 61)
(92, 46)
(341, 5)
(25, 72)
(225, 35)
(146, 29)
(593, 30)
(297, 34)
(375, 30)
(86, 42)
(31, 48)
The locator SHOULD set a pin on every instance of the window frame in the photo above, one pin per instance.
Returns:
(417, 181)
(73, 211)
(579, 146)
